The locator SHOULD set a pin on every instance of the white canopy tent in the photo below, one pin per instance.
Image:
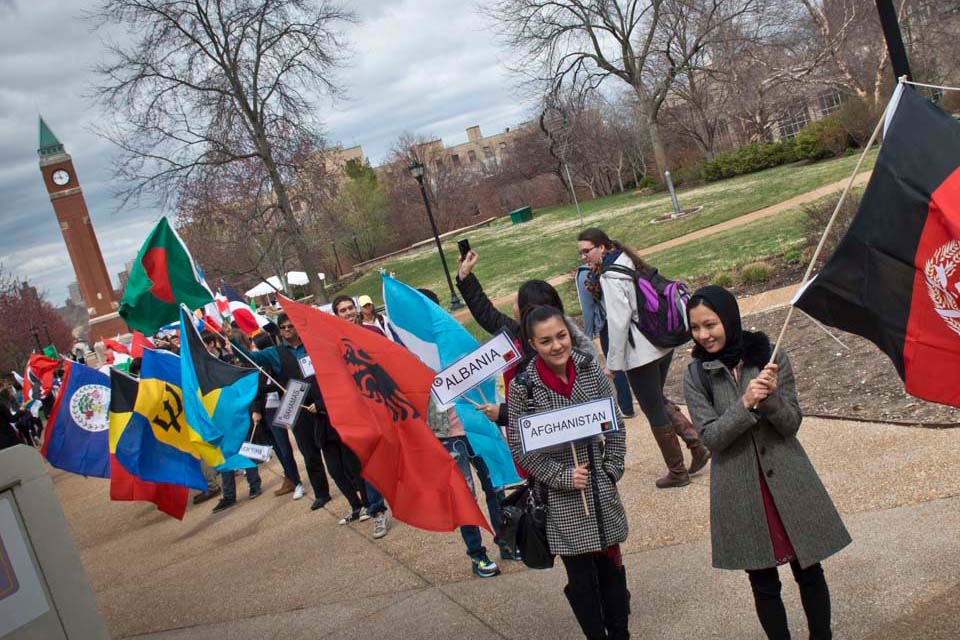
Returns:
(273, 284)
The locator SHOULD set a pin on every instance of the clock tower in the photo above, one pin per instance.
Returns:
(62, 184)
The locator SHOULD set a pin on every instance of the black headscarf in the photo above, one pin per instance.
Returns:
(724, 304)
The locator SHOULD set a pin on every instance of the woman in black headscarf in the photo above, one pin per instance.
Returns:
(767, 504)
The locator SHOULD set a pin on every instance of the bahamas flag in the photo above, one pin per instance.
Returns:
(438, 340)
(158, 445)
(169, 498)
(216, 396)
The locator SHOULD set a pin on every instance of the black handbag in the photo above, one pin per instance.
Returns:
(523, 524)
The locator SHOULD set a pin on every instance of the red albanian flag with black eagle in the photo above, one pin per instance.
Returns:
(895, 276)
(376, 394)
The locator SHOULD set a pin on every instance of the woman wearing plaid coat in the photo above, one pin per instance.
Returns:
(588, 543)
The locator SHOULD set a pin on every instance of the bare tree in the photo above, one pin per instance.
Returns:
(203, 84)
(644, 43)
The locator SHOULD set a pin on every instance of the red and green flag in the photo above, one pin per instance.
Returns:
(164, 276)
(895, 276)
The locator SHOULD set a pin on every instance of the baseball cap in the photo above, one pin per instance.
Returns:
(364, 300)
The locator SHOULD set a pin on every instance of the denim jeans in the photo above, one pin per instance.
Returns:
(463, 455)
(620, 382)
(375, 502)
(228, 481)
(281, 445)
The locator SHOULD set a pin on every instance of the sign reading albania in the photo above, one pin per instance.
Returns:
(89, 406)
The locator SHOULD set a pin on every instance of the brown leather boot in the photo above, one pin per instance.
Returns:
(684, 428)
(677, 475)
(287, 487)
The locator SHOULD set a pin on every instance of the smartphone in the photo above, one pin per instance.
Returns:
(464, 246)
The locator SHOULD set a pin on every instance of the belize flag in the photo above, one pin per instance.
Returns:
(438, 340)
(77, 438)
(895, 276)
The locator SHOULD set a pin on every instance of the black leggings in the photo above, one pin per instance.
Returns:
(814, 595)
(647, 384)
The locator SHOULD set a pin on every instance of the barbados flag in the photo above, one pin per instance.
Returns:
(438, 340)
(216, 396)
(169, 498)
(158, 444)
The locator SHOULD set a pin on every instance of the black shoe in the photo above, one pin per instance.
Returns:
(223, 505)
(206, 495)
(506, 553)
(255, 492)
(319, 503)
(353, 516)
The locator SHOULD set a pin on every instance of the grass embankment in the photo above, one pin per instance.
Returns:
(546, 247)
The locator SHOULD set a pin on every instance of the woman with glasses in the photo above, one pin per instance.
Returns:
(645, 364)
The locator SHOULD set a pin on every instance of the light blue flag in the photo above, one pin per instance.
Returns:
(216, 397)
(439, 340)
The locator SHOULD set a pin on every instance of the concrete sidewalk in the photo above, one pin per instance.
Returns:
(271, 568)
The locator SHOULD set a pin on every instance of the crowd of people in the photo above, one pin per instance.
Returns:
(767, 505)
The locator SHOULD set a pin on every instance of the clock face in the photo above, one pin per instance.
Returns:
(60, 177)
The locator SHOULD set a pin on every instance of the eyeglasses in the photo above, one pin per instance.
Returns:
(285, 327)
(585, 252)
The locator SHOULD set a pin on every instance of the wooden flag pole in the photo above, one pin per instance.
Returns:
(482, 397)
(826, 231)
(583, 493)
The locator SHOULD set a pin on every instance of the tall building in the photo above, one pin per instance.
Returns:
(62, 184)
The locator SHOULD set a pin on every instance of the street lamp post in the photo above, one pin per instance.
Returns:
(36, 336)
(416, 170)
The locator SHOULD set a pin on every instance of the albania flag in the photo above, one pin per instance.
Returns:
(376, 393)
(895, 277)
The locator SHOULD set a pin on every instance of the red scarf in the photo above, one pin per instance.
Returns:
(553, 381)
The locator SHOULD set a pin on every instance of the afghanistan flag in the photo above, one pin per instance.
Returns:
(163, 276)
(169, 498)
(895, 276)
(439, 340)
(38, 378)
(157, 444)
(376, 393)
(216, 396)
(76, 437)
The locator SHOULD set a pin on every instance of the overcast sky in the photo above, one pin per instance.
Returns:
(427, 66)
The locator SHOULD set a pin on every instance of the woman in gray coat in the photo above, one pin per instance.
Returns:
(588, 541)
(767, 504)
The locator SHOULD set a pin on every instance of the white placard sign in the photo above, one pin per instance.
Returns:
(290, 404)
(484, 362)
(21, 595)
(559, 426)
(258, 452)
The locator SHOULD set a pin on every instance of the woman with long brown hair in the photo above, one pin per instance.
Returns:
(612, 282)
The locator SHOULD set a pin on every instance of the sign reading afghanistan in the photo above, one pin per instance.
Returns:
(559, 426)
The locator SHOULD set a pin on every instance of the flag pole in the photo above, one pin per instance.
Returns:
(576, 463)
(826, 231)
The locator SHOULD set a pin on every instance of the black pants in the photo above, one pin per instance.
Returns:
(597, 592)
(305, 432)
(813, 593)
(344, 468)
(647, 384)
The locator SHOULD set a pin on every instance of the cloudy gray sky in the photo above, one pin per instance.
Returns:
(427, 66)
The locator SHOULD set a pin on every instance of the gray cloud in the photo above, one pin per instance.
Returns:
(427, 66)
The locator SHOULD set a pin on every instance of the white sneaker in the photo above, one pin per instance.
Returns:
(380, 525)
(364, 516)
(298, 492)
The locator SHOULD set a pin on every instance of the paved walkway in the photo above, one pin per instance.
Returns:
(760, 214)
(270, 568)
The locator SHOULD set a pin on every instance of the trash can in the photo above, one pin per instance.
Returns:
(523, 214)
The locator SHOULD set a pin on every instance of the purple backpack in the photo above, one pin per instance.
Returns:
(662, 306)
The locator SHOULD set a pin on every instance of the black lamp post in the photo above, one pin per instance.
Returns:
(36, 336)
(416, 170)
(46, 331)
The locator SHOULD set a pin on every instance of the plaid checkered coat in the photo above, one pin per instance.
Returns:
(571, 531)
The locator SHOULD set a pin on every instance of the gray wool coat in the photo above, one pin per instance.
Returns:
(740, 439)
(570, 531)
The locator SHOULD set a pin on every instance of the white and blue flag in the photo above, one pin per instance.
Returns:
(439, 340)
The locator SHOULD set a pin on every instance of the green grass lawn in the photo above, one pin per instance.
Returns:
(546, 246)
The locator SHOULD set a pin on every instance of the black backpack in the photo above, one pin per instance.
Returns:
(661, 306)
